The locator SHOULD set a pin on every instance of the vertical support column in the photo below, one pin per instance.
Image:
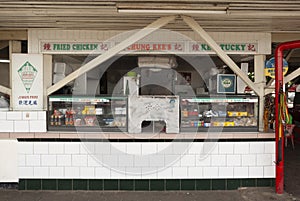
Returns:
(14, 47)
(47, 65)
(260, 82)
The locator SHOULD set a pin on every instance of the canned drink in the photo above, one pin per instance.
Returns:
(52, 120)
(191, 123)
(206, 124)
(55, 120)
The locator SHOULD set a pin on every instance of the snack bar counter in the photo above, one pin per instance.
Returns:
(214, 113)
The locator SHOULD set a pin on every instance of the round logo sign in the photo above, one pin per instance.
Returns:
(226, 83)
(270, 67)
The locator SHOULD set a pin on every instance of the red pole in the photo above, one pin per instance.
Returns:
(279, 132)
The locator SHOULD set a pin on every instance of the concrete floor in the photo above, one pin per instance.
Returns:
(292, 169)
(245, 194)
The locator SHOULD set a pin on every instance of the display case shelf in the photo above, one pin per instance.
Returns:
(219, 113)
(87, 114)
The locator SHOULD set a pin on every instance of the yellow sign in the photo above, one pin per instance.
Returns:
(270, 67)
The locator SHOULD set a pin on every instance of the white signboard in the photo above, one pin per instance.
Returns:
(27, 81)
(60, 47)
(75, 47)
(229, 48)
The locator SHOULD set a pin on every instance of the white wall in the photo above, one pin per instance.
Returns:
(72, 160)
(27, 121)
(9, 161)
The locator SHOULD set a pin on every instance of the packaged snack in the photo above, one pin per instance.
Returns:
(90, 120)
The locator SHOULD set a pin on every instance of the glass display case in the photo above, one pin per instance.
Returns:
(219, 113)
(81, 113)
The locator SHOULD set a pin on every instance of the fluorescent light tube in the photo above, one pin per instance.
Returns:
(166, 11)
(4, 61)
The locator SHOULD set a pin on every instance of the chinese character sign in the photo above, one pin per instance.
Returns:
(27, 81)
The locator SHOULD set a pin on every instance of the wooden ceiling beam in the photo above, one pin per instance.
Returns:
(13, 35)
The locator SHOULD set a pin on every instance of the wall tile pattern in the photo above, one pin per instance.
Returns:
(103, 160)
(23, 121)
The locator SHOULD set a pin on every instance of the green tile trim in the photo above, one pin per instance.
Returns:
(218, 184)
(64, 184)
(80, 184)
(203, 184)
(49, 184)
(233, 184)
(96, 184)
(188, 184)
(172, 184)
(273, 182)
(33, 184)
(126, 184)
(111, 184)
(248, 182)
(22, 184)
(264, 182)
(141, 185)
(157, 185)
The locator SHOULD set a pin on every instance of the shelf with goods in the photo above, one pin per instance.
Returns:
(81, 113)
(228, 113)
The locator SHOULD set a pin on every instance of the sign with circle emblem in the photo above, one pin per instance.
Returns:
(226, 83)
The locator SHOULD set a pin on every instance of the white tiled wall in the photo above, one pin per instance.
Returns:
(110, 160)
(23, 121)
(9, 161)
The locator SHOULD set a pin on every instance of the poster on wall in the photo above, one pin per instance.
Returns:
(27, 81)
(240, 84)
(226, 83)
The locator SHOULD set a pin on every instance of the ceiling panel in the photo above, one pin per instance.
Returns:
(239, 15)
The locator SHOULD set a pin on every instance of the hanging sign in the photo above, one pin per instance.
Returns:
(270, 67)
(27, 81)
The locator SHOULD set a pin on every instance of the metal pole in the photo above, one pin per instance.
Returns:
(278, 122)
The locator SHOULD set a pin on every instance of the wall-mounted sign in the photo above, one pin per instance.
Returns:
(157, 46)
(186, 47)
(27, 81)
(270, 67)
(77, 47)
(226, 47)
(226, 83)
(27, 73)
